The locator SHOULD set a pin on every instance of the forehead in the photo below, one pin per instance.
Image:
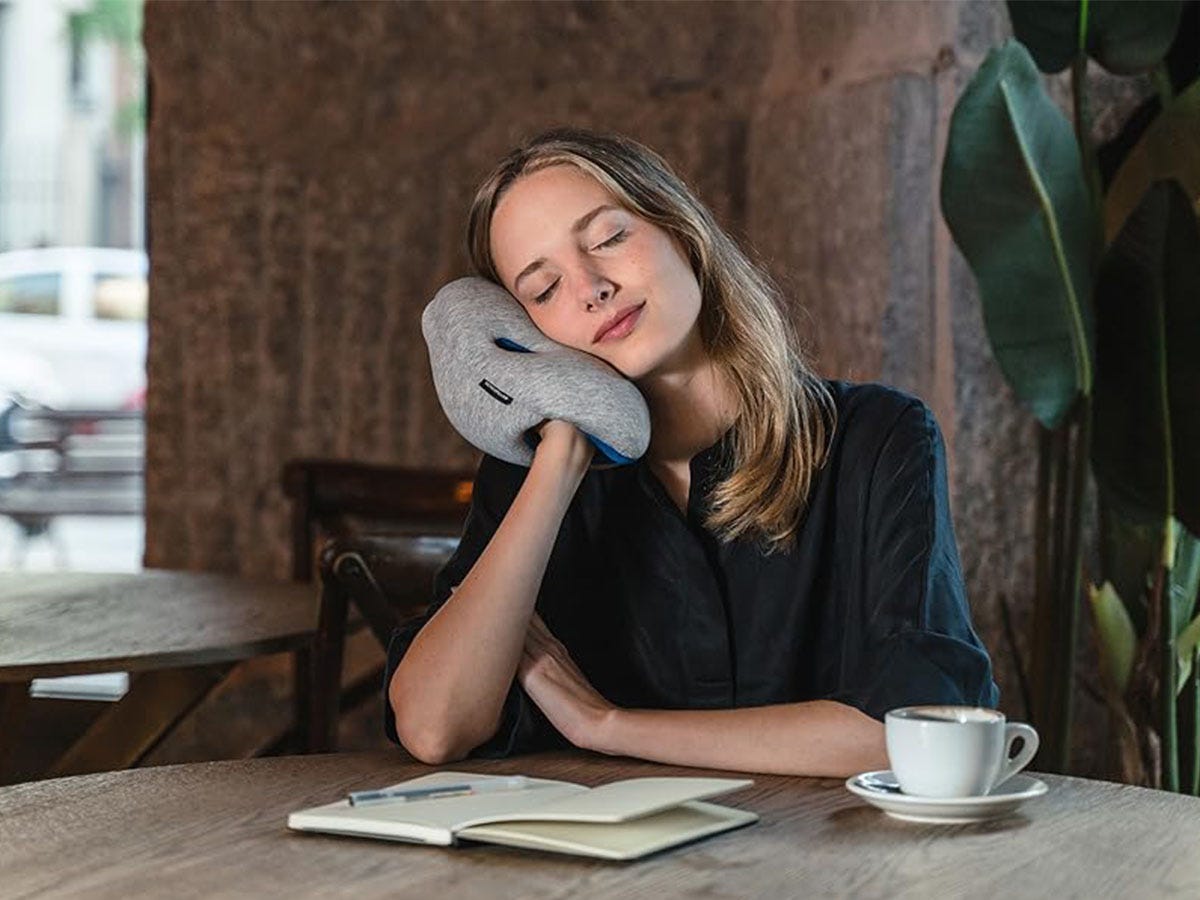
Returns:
(548, 190)
(540, 208)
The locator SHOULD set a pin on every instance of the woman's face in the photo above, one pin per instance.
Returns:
(576, 270)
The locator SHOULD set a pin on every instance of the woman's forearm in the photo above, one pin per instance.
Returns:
(448, 690)
(817, 737)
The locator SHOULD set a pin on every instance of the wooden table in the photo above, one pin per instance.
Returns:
(177, 633)
(219, 828)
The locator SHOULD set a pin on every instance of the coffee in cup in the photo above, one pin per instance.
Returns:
(954, 751)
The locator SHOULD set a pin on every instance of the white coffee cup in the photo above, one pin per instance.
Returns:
(954, 751)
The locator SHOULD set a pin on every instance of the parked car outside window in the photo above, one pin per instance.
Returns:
(73, 326)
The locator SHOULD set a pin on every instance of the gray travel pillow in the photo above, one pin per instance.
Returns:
(498, 378)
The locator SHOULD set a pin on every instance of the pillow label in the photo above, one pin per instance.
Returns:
(496, 392)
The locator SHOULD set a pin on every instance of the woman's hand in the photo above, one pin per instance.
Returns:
(562, 444)
(553, 681)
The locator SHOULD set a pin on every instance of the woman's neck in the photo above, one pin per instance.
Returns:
(691, 407)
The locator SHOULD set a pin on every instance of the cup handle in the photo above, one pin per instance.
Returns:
(1011, 767)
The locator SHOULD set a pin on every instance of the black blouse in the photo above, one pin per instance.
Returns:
(868, 608)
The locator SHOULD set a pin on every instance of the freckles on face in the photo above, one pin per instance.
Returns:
(546, 246)
(554, 270)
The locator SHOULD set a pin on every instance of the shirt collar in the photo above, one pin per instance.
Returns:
(708, 467)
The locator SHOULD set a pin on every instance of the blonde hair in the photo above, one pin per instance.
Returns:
(787, 414)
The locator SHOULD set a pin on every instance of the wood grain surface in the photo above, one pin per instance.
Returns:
(68, 623)
(218, 829)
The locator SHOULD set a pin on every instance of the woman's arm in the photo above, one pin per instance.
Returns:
(448, 691)
(815, 737)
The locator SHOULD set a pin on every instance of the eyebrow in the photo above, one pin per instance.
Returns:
(580, 224)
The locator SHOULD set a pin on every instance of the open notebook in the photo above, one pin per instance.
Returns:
(622, 820)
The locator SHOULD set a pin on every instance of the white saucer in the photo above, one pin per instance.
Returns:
(881, 789)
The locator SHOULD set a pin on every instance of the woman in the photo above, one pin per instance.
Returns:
(754, 594)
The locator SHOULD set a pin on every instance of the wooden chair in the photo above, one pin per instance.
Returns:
(375, 535)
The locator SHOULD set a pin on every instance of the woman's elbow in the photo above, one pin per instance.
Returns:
(424, 740)
(426, 743)
(430, 750)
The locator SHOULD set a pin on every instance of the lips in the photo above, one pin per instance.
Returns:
(616, 320)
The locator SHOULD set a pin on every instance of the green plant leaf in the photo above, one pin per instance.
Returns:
(1131, 36)
(1115, 630)
(1185, 652)
(1146, 430)
(1189, 638)
(1185, 577)
(1169, 148)
(1130, 547)
(1124, 36)
(1049, 28)
(1014, 197)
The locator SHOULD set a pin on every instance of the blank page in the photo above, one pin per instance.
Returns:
(619, 801)
(626, 840)
(427, 821)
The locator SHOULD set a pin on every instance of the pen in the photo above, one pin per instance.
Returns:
(404, 795)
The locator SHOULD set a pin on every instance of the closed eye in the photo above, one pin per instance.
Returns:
(615, 239)
(612, 241)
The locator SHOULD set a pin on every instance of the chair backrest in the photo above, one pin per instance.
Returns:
(377, 534)
(342, 499)
(387, 578)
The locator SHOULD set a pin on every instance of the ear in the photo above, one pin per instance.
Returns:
(497, 377)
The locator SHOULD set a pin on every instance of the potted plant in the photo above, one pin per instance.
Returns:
(1088, 266)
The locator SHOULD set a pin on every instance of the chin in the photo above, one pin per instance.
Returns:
(629, 364)
(640, 355)
(644, 361)
(634, 368)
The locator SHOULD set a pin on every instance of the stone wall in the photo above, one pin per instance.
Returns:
(310, 167)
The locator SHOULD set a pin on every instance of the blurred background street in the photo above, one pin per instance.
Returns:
(112, 544)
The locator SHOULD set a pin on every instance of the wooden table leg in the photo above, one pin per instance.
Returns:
(303, 675)
(326, 671)
(14, 701)
(123, 734)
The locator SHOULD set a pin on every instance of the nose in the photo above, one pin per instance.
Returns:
(597, 290)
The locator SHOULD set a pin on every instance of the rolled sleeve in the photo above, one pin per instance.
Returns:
(523, 727)
(915, 643)
(917, 667)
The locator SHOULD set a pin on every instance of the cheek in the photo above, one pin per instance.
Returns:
(554, 325)
(682, 291)
(682, 304)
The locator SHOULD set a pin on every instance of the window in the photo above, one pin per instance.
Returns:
(119, 297)
(30, 294)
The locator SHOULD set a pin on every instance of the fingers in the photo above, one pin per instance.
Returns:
(537, 645)
(524, 664)
(540, 643)
(539, 635)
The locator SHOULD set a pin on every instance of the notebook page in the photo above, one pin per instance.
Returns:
(619, 801)
(427, 821)
(626, 840)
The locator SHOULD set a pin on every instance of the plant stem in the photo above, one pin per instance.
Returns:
(1043, 562)
(1087, 154)
(1166, 563)
(1062, 463)
(1010, 635)
(1056, 669)
(1195, 730)
(1074, 559)
(1185, 710)
(1056, 619)
(1167, 675)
